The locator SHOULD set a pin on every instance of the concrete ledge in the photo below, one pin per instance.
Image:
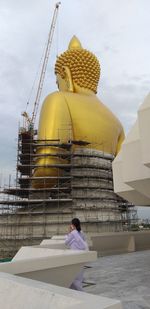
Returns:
(19, 293)
(48, 265)
(53, 243)
(120, 242)
(30, 252)
(58, 237)
(142, 241)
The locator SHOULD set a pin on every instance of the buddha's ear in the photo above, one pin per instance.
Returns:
(68, 78)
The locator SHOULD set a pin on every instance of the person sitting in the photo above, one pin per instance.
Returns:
(75, 240)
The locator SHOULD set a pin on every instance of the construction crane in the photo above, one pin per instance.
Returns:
(31, 120)
(28, 119)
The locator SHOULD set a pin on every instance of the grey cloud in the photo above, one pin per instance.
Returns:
(127, 89)
(108, 48)
(124, 99)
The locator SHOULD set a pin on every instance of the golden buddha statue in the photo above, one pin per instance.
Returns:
(75, 112)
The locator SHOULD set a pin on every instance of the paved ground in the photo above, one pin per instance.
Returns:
(125, 277)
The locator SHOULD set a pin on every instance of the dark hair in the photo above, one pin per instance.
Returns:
(76, 223)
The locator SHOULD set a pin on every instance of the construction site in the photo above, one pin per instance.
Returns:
(82, 186)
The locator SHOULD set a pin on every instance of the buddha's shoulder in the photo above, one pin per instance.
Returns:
(57, 98)
(63, 95)
(54, 96)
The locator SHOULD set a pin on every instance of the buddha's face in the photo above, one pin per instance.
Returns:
(61, 83)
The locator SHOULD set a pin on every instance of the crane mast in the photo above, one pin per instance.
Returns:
(43, 71)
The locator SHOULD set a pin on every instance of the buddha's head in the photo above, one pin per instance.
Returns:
(77, 69)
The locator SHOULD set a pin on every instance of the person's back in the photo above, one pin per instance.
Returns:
(76, 240)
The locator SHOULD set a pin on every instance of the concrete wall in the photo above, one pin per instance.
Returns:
(131, 170)
(115, 243)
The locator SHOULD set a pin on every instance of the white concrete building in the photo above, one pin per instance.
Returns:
(131, 168)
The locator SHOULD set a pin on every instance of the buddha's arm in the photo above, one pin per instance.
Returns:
(54, 120)
(54, 124)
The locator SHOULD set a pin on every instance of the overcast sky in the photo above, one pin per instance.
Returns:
(117, 31)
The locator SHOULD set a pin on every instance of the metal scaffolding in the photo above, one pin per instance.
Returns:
(83, 188)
